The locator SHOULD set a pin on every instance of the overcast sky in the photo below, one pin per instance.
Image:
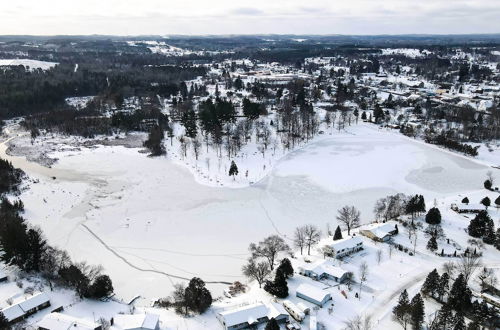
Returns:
(126, 17)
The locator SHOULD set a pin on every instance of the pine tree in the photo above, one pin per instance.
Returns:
(497, 201)
(272, 325)
(497, 239)
(197, 296)
(279, 286)
(338, 234)
(4, 323)
(465, 200)
(477, 225)
(443, 286)
(487, 184)
(486, 201)
(460, 297)
(402, 311)
(286, 268)
(417, 311)
(433, 217)
(432, 244)
(444, 318)
(431, 283)
(459, 322)
(233, 169)
(489, 236)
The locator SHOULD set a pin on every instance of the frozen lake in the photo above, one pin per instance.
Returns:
(144, 218)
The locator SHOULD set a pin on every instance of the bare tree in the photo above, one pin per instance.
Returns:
(468, 264)
(487, 278)
(196, 147)
(349, 216)
(179, 298)
(489, 176)
(450, 267)
(391, 249)
(312, 234)
(379, 256)
(349, 278)
(359, 322)
(363, 275)
(299, 238)
(256, 271)
(269, 249)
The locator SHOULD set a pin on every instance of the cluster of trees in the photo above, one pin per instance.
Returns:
(393, 206)
(443, 140)
(482, 226)
(10, 177)
(194, 297)
(24, 246)
(409, 313)
(262, 262)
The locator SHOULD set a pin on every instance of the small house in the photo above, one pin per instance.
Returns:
(58, 321)
(379, 232)
(467, 208)
(345, 247)
(323, 269)
(313, 294)
(253, 315)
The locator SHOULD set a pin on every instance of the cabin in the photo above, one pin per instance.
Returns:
(136, 321)
(380, 232)
(58, 321)
(323, 269)
(345, 247)
(313, 294)
(467, 208)
(26, 307)
(252, 316)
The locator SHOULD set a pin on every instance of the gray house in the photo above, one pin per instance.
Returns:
(323, 269)
(251, 316)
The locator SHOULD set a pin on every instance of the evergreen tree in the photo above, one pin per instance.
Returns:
(272, 325)
(474, 326)
(433, 217)
(338, 234)
(286, 268)
(487, 184)
(402, 311)
(465, 200)
(444, 318)
(102, 287)
(459, 322)
(279, 286)
(233, 169)
(477, 225)
(443, 286)
(431, 283)
(497, 239)
(155, 141)
(188, 119)
(497, 201)
(486, 201)
(417, 311)
(460, 297)
(432, 244)
(489, 236)
(197, 296)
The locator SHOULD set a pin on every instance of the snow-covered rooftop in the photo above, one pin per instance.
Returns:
(136, 321)
(349, 242)
(324, 267)
(58, 321)
(311, 291)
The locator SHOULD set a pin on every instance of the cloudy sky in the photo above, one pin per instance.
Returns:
(132, 17)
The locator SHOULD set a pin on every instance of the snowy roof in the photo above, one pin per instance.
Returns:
(381, 229)
(324, 267)
(20, 308)
(136, 321)
(34, 301)
(58, 321)
(246, 314)
(311, 291)
(349, 242)
(470, 206)
(13, 312)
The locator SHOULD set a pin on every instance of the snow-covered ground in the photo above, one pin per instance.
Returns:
(32, 64)
(148, 219)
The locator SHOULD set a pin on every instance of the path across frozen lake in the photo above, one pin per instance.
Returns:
(154, 215)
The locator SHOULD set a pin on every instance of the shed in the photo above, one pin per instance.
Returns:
(313, 294)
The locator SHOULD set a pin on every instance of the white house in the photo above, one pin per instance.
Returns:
(252, 315)
(313, 294)
(136, 322)
(380, 232)
(346, 246)
(58, 321)
(323, 269)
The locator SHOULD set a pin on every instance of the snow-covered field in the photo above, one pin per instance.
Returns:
(147, 221)
(32, 64)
